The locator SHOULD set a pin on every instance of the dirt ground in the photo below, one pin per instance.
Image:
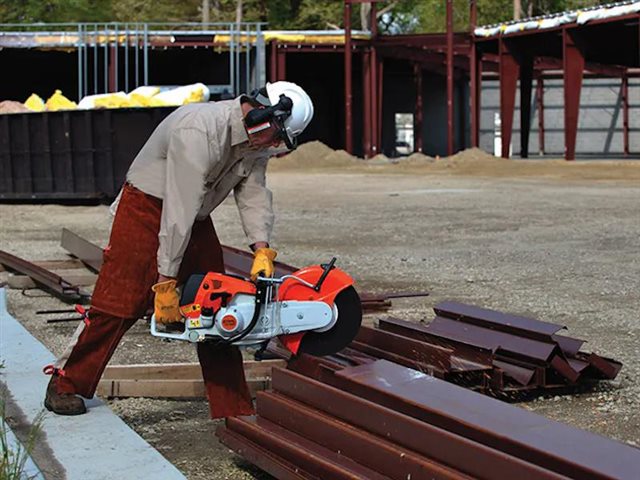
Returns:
(554, 240)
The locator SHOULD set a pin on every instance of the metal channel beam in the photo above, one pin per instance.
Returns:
(551, 445)
(379, 454)
(467, 456)
(293, 448)
(89, 253)
(51, 281)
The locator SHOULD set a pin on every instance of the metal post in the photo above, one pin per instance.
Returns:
(475, 91)
(247, 59)
(85, 62)
(146, 54)
(95, 58)
(237, 59)
(366, 103)
(373, 73)
(540, 104)
(282, 63)
(450, 131)
(348, 141)
(417, 127)
(573, 66)
(126, 58)
(273, 61)
(526, 81)
(105, 72)
(79, 47)
(115, 52)
(137, 55)
(232, 68)
(625, 114)
(509, 72)
(380, 101)
(261, 58)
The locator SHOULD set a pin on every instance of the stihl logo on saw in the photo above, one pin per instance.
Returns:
(315, 310)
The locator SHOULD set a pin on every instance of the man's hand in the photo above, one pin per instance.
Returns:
(166, 302)
(263, 262)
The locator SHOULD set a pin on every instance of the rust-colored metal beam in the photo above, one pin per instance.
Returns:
(573, 67)
(509, 73)
(540, 105)
(625, 114)
(348, 140)
(366, 104)
(450, 85)
(417, 128)
(45, 278)
(526, 87)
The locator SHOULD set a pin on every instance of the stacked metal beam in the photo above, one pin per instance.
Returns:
(383, 420)
(483, 350)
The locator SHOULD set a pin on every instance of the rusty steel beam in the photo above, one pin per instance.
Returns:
(88, 253)
(379, 454)
(450, 85)
(417, 129)
(540, 105)
(625, 114)
(467, 456)
(293, 448)
(348, 140)
(509, 73)
(45, 278)
(573, 63)
(548, 444)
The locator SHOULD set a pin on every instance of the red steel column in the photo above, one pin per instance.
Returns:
(475, 78)
(273, 62)
(526, 84)
(348, 141)
(540, 103)
(417, 123)
(112, 69)
(366, 103)
(373, 75)
(450, 131)
(625, 114)
(380, 101)
(509, 73)
(573, 65)
(282, 63)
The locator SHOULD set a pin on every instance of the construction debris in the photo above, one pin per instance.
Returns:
(383, 420)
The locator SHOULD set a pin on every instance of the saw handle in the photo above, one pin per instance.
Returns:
(326, 268)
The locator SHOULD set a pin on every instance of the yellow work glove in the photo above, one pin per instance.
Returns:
(263, 262)
(166, 303)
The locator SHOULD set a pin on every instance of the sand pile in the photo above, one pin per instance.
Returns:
(470, 162)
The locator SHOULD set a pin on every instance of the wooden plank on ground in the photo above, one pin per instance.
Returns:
(183, 389)
(182, 371)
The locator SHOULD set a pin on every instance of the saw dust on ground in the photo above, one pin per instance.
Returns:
(315, 155)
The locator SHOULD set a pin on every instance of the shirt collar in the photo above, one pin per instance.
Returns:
(238, 132)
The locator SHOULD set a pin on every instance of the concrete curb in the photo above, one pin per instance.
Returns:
(97, 445)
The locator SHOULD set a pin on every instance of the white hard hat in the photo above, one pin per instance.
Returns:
(302, 111)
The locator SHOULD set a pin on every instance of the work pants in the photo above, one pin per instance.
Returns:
(123, 294)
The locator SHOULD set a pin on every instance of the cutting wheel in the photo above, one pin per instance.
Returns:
(342, 333)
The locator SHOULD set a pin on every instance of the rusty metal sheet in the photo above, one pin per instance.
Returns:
(522, 375)
(293, 448)
(492, 339)
(468, 456)
(607, 367)
(421, 352)
(505, 322)
(569, 346)
(45, 278)
(564, 368)
(260, 457)
(419, 331)
(378, 454)
(515, 431)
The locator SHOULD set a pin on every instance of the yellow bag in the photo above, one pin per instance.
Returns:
(35, 103)
(57, 101)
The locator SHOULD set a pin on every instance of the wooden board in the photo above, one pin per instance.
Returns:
(182, 371)
(183, 389)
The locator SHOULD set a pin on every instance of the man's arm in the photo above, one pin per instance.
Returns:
(188, 161)
(254, 201)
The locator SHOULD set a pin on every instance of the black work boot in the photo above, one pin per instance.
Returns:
(62, 403)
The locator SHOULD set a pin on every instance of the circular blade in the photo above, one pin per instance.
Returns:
(190, 289)
(342, 333)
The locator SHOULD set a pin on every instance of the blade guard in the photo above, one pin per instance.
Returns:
(335, 281)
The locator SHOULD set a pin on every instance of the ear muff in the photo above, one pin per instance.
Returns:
(277, 113)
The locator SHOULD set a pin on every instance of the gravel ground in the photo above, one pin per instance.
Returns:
(561, 250)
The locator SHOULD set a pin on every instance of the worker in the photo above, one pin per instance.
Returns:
(162, 233)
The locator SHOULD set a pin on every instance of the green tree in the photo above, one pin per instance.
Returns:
(50, 11)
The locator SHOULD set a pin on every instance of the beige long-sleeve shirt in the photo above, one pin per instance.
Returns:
(192, 161)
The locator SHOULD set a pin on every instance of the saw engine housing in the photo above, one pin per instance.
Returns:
(317, 302)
